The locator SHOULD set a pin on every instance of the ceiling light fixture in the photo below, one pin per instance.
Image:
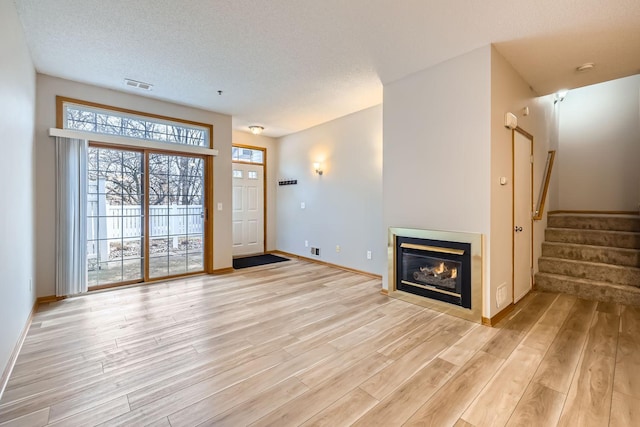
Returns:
(138, 85)
(256, 130)
(587, 66)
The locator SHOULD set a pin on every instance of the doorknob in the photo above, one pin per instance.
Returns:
(517, 229)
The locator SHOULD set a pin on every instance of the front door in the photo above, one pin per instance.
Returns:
(522, 209)
(248, 209)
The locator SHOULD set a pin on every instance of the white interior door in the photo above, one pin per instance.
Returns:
(522, 208)
(248, 209)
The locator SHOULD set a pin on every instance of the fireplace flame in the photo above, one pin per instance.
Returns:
(439, 269)
(454, 273)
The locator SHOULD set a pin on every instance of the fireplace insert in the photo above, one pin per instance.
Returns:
(434, 269)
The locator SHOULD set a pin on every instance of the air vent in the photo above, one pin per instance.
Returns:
(137, 84)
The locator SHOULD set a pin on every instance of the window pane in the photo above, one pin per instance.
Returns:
(114, 215)
(111, 122)
(247, 155)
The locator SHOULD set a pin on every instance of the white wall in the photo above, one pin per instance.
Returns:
(343, 206)
(437, 148)
(47, 89)
(511, 93)
(599, 147)
(271, 145)
(17, 113)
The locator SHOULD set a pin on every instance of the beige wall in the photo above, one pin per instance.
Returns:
(510, 93)
(343, 207)
(271, 185)
(437, 149)
(17, 114)
(599, 147)
(47, 89)
(453, 113)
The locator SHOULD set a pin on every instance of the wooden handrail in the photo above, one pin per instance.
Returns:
(544, 187)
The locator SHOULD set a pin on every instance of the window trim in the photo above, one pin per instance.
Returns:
(132, 143)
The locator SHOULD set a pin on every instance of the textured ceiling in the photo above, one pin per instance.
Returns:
(292, 64)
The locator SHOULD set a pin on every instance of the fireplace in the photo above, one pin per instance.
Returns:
(434, 269)
(437, 269)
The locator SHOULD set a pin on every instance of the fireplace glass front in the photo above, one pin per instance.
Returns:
(434, 269)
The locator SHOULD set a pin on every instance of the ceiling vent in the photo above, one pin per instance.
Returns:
(137, 84)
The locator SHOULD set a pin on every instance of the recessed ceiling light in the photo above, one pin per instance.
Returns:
(587, 66)
(138, 85)
(256, 130)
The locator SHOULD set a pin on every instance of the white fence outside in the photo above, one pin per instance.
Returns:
(125, 222)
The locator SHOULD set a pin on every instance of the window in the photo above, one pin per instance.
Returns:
(113, 122)
(252, 175)
(237, 173)
(248, 155)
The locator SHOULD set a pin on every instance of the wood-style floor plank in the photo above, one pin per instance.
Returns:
(344, 411)
(448, 404)
(625, 410)
(627, 374)
(499, 398)
(558, 366)
(398, 406)
(539, 406)
(299, 343)
(588, 402)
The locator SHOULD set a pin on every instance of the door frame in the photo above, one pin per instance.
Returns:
(513, 209)
(207, 220)
(264, 184)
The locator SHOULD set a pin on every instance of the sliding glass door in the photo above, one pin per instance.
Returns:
(115, 216)
(176, 215)
(135, 194)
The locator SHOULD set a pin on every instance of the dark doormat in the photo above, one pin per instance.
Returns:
(252, 261)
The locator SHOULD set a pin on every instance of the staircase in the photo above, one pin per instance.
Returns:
(595, 257)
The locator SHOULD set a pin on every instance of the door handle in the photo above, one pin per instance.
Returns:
(517, 229)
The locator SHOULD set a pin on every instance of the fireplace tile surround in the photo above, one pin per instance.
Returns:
(420, 289)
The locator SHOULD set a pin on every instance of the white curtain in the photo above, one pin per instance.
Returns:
(71, 218)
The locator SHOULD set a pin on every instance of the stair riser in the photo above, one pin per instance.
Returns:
(594, 223)
(593, 254)
(602, 272)
(587, 292)
(593, 237)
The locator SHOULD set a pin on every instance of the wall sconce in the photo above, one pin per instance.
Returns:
(318, 167)
(559, 96)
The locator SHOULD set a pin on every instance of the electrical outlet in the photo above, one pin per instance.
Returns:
(306, 243)
(313, 251)
(368, 254)
(303, 205)
(337, 248)
(318, 251)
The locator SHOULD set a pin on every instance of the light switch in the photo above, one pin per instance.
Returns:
(219, 206)
(302, 205)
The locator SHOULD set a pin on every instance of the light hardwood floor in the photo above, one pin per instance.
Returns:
(298, 343)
